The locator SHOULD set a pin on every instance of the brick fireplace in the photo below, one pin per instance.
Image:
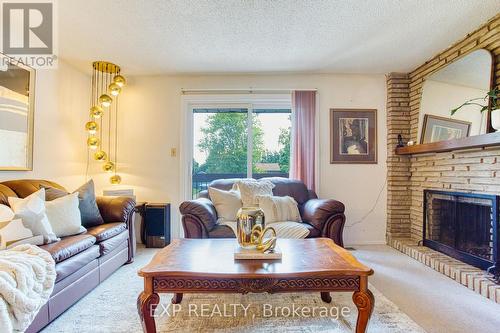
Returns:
(469, 170)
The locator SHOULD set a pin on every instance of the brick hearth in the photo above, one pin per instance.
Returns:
(469, 276)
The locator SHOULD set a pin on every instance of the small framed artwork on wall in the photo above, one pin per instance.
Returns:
(353, 136)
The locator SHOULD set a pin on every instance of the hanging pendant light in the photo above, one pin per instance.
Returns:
(100, 155)
(93, 142)
(114, 89)
(91, 127)
(107, 84)
(108, 166)
(96, 112)
(120, 81)
(115, 179)
(105, 100)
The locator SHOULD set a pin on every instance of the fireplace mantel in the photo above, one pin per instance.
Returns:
(477, 141)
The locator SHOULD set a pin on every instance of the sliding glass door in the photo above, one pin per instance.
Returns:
(238, 142)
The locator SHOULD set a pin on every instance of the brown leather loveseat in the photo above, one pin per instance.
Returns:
(323, 217)
(85, 260)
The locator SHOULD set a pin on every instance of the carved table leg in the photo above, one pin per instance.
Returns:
(364, 301)
(325, 297)
(146, 305)
(177, 299)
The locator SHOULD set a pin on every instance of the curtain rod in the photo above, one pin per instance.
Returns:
(242, 91)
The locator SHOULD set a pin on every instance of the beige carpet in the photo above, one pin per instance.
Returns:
(436, 302)
(111, 308)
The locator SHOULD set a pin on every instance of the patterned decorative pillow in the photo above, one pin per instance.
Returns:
(250, 189)
(279, 209)
(32, 212)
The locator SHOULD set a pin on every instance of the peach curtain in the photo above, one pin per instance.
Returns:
(303, 148)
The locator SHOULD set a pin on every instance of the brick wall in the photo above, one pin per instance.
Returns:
(398, 167)
(475, 170)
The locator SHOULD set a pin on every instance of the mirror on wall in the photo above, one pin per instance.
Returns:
(17, 84)
(448, 88)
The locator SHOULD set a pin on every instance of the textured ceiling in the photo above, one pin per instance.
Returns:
(258, 36)
(473, 70)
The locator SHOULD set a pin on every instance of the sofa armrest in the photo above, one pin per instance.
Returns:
(120, 209)
(115, 209)
(326, 215)
(198, 217)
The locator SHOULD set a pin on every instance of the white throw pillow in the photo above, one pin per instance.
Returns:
(279, 209)
(227, 203)
(250, 189)
(6, 213)
(12, 231)
(64, 215)
(32, 211)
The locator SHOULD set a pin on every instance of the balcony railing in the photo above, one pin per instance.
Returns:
(201, 180)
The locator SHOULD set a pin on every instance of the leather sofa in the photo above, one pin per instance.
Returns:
(323, 217)
(85, 260)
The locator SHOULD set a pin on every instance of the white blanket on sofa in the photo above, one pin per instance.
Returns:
(285, 229)
(27, 277)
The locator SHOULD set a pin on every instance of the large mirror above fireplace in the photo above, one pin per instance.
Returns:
(463, 80)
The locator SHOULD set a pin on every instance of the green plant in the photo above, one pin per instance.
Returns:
(493, 94)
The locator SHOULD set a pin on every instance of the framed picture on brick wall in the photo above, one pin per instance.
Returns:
(353, 136)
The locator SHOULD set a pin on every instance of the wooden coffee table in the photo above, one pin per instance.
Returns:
(207, 266)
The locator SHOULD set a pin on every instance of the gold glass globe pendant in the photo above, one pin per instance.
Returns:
(96, 112)
(107, 84)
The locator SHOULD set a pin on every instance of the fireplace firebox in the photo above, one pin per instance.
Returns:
(464, 226)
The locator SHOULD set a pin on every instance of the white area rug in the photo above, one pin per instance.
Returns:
(111, 307)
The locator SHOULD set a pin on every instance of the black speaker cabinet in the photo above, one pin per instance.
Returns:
(157, 224)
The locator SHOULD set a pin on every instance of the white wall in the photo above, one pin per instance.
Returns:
(150, 125)
(61, 109)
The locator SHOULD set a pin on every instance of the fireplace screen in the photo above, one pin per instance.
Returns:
(462, 225)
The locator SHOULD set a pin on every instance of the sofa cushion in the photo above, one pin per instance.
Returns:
(32, 211)
(64, 215)
(89, 211)
(282, 187)
(290, 187)
(76, 262)
(221, 231)
(227, 203)
(24, 187)
(106, 230)
(313, 232)
(277, 209)
(112, 243)
(250, 189)
(69, 246)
